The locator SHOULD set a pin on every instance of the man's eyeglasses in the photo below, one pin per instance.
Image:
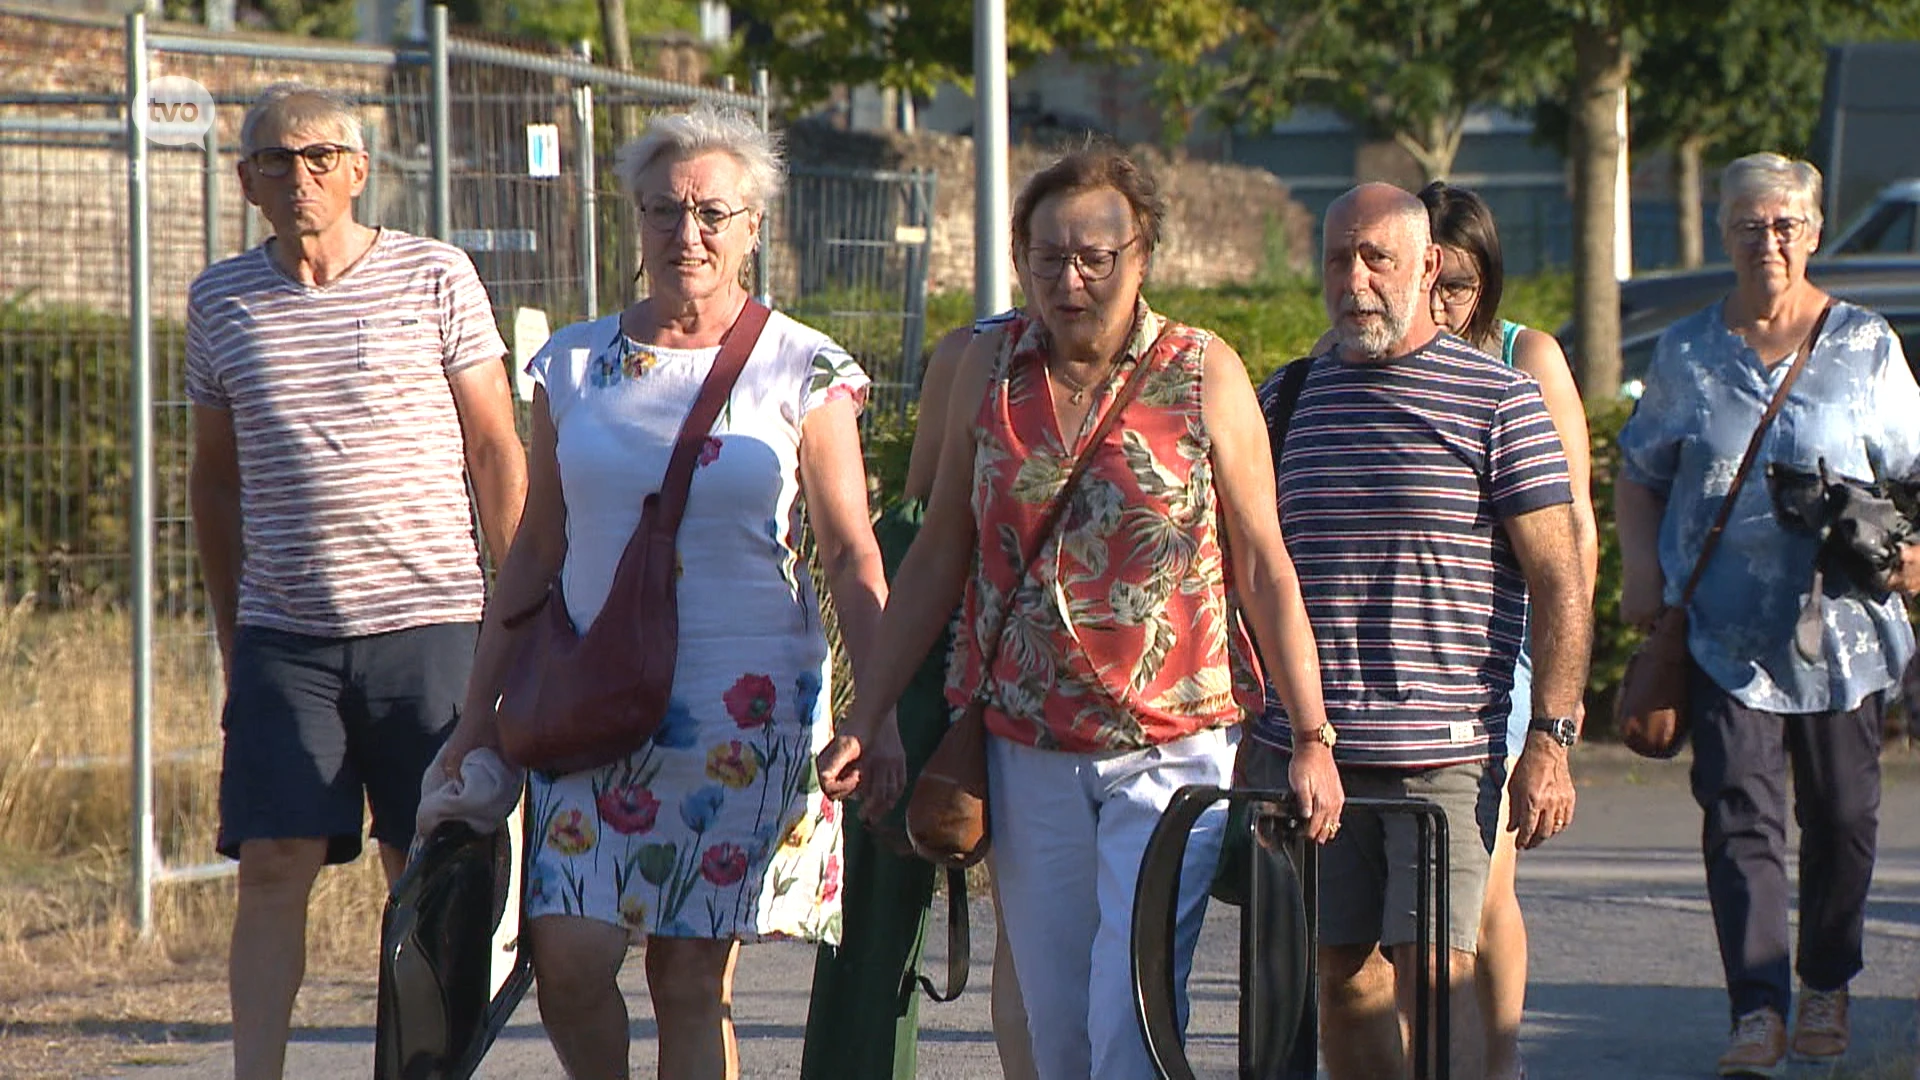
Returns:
(1094, 264)
(1455, 293)
(275, 162)
(711, 215)
(1753, 233)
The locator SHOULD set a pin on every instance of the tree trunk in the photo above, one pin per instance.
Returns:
(613, 29)
(1601, 66)
(1686, 198)
(1434, 149)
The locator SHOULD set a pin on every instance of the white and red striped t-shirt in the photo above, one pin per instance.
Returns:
(353, 499)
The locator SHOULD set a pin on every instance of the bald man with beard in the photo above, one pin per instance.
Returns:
(1423, 494)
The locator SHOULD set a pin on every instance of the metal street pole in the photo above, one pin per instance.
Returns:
(442, 123)
(992, 227)
(588, 194)
(140, 331)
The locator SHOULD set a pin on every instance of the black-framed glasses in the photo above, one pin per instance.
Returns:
(1094, 264)
(1788, 230)
(274, 162)
(1456, 292)
(711, 215)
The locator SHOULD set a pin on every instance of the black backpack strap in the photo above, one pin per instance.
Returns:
(959, 941)
(1278, 397)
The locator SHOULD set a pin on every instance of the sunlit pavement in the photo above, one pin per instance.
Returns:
(1625, 977)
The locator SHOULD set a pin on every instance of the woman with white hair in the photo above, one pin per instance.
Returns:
(1767, 687)
(715, 832)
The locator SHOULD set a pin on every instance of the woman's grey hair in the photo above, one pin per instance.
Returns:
(297, 105)
(1767, 174)
(700, 130)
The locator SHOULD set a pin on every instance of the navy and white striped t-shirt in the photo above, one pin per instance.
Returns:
(1393, 483)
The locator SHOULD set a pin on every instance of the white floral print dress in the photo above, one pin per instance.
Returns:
(717, 828)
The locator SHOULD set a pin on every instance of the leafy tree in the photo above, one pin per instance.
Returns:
(308, 18)
(1609, 37)
(1405, 70)
(1746, 78)
(814, 46)
(564, 22)
(1411, 71)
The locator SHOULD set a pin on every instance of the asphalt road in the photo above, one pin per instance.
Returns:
(1625, 976)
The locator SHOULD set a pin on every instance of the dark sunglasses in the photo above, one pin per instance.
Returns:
(275, 162)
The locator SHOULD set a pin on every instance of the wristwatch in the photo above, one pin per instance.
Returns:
(1560, 729)
(1324, 735)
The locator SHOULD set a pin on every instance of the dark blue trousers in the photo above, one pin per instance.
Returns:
(1741, 760)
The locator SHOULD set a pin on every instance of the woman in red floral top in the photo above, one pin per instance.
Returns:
(1122, 673)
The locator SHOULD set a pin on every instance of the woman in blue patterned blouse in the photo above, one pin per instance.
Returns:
(1756, 702)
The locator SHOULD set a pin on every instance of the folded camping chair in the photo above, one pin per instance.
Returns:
(434, 1019)
(1279, 933)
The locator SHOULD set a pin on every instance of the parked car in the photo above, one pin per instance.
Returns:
(1650, 303)
(1886, 226)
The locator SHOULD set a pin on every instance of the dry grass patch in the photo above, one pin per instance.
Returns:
(80, 989)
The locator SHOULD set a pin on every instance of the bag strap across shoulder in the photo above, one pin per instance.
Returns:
(735, 346)
(1057, 509)
(1774, 406)
(1280, 404)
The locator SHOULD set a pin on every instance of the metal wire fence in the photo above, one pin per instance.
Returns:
(500, 151)
(855, 251)
(494, 149)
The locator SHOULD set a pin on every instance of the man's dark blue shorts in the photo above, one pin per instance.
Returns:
(318, 727)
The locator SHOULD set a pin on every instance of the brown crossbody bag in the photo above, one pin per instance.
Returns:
(1650, 710)
(576, 701)
(947, 811)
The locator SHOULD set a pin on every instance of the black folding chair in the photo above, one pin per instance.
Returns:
(434, 1019)
(1279, 935)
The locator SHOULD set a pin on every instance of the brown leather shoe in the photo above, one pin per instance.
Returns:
(1820, 1029)
(1759, 1046)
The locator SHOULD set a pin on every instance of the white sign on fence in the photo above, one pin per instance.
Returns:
(530, 331)
(495, 239)
(543, 150)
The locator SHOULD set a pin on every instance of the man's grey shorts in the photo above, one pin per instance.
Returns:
(1369, 873)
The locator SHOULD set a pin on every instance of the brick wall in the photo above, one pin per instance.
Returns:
(63, 199)
(1225, 223)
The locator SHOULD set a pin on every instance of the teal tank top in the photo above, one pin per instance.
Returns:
(1509, 333)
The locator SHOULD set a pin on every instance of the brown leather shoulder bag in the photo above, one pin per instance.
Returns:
(947, 811)
(575, 701)
(1651, 707)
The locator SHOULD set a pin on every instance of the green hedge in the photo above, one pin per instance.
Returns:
(65, 463)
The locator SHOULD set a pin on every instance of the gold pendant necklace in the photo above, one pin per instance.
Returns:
(1079, 388)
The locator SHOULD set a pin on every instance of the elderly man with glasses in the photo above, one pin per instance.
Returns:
(347, 385)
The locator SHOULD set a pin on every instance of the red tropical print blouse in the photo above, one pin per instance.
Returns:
(1120, 636)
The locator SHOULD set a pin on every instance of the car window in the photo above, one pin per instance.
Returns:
(1890, 230)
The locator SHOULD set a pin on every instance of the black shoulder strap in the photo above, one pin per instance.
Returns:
(959, 944)
(1281, 394)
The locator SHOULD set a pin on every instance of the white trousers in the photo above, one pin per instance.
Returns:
(1069, 831)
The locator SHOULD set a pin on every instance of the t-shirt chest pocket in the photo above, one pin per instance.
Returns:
(390, 348)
